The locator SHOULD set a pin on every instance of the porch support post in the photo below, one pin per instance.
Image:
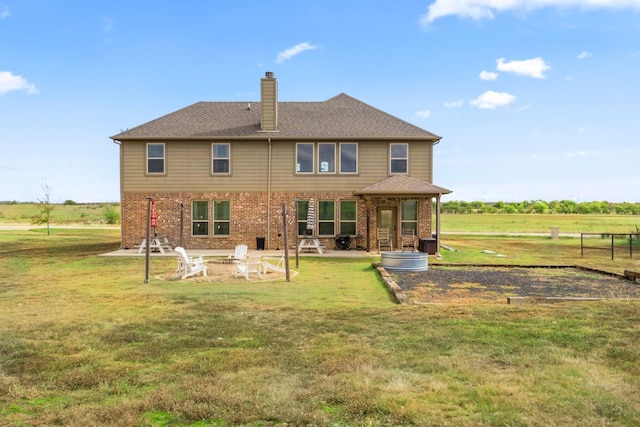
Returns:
(438, 225)
(368, 226)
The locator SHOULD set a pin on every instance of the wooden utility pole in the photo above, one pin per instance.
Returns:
(147, 242)
(286, 242)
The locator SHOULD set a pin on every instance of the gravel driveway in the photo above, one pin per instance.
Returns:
(441, 283)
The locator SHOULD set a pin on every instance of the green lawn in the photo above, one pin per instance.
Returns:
(84, 341)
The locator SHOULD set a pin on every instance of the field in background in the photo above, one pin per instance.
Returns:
(540, 223)
(91, 214)
(62, 214)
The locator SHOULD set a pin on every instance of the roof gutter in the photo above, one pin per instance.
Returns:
(280, 137)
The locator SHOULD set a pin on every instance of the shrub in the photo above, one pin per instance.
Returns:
(111, 215)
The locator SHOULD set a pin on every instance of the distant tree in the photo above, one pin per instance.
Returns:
(69, 202)
(539, 207)
(477, 206)
(44, 208)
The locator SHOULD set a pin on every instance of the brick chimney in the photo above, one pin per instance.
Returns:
(269, 103)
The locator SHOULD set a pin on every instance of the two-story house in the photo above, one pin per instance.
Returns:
(219, 172)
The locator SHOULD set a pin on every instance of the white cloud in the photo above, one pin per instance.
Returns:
(293, 51)
(4, 12)
(454, 104)
(585, 55)
(486, 9)
(534, 67)
(581, 153)
(425, 114)
(10, 82)
(569, 77)
(490, 100)
(107, 24)
(488, 75)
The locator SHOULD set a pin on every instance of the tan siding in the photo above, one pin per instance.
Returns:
(188, 165)
(420, 161)
(373, 166)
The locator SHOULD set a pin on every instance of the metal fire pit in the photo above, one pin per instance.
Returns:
(405, 261)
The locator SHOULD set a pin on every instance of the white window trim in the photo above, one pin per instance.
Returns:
(164, 158)
(318, 220)
(355, 221)
(399, 158)
(313, 160)
(214, 221)
(208, 220)
(412, 221)
(320, 171)
(340, 158)
(214, 158)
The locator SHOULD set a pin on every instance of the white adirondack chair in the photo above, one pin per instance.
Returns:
(248, 266)
(274, 264)
(190, 266)
(240, 253)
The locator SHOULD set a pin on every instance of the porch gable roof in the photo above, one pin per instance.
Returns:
(402, 185)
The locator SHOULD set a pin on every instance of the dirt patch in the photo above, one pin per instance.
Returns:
(224, 273)
(441, 283)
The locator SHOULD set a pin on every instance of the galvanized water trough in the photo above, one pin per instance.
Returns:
(405, 261)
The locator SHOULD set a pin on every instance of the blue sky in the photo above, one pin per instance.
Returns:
(534, 99)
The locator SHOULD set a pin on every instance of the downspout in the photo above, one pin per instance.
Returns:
(121, 193)
(269, 197)
(437, 204)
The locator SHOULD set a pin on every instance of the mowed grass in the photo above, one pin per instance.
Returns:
(84, 341)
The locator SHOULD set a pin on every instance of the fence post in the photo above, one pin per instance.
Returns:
(612, 237)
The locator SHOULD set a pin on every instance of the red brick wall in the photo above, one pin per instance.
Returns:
(249, 218)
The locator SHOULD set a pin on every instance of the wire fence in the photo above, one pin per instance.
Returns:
(614, 241)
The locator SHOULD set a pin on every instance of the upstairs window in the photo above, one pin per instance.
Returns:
(221, 154)
(348, 157)
(398, 158)
(155, 158)
(304, 158)
(326, 158)
(200, 218)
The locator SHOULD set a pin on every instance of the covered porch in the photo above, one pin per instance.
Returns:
(398, 203)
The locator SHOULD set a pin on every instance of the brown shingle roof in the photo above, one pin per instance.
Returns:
(401, 184)
(339, 117)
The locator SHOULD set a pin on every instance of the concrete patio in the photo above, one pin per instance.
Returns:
(223, 253)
